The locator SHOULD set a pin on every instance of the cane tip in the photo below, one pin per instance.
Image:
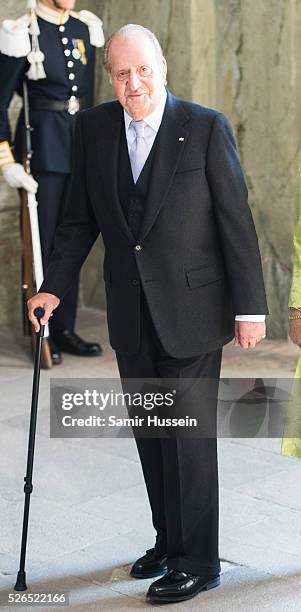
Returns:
(21, 581)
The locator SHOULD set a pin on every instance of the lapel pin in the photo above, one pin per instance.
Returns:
(181, 139)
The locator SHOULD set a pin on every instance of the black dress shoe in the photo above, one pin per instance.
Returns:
(150, 565)
(54, 352)
(179, 586)
(69, 342)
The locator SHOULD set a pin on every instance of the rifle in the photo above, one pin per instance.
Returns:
(32, 268)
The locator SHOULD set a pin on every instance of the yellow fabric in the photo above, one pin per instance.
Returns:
(291, 442)
(6, 156)
(295, 294)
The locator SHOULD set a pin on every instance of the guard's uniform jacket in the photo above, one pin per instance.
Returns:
(69, 66)
(55, 50)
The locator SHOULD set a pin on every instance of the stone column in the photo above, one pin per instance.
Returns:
(258, 61)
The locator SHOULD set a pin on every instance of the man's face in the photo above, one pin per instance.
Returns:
(137, 73)
(65, 5)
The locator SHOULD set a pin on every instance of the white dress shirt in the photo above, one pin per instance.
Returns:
(152, 124)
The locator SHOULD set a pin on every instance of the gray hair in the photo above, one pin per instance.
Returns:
(128, 31)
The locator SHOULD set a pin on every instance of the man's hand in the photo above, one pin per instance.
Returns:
(295, 328)
(15, 176)
(48, 301)
(248, 333)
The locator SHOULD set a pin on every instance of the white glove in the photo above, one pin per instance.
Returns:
(15, 176)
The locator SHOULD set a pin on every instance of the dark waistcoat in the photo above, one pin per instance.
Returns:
(133, 197)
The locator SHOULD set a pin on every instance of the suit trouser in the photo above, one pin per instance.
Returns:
(181, 474)
(51, 197)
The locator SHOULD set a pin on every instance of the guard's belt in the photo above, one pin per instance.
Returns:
(72, 106)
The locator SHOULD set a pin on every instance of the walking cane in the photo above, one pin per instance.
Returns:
(21, 578)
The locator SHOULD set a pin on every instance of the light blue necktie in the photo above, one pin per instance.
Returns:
(139, 149)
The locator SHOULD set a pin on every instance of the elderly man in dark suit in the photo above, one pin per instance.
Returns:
(160, 178)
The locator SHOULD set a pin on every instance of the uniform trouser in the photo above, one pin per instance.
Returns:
(51, 197)
(181, 474)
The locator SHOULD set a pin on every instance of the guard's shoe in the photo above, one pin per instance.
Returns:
(179, 586)
(150, 565)
(69, 342)
(54, 352)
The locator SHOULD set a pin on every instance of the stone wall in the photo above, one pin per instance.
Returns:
(258, 58)
(241, 57)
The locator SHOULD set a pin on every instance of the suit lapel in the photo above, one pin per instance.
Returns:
(108, 143)
(170, 142)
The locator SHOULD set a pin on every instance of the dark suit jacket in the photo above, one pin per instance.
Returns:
(198, 260)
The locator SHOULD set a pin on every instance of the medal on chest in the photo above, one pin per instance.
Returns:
(79, 50)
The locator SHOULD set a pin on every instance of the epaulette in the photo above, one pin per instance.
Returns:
(14, 37)
(94, 24)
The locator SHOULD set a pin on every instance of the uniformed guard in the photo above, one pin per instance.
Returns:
(54, 48)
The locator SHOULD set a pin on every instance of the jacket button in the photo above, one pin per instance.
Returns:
(134, 281)
(138, 247)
